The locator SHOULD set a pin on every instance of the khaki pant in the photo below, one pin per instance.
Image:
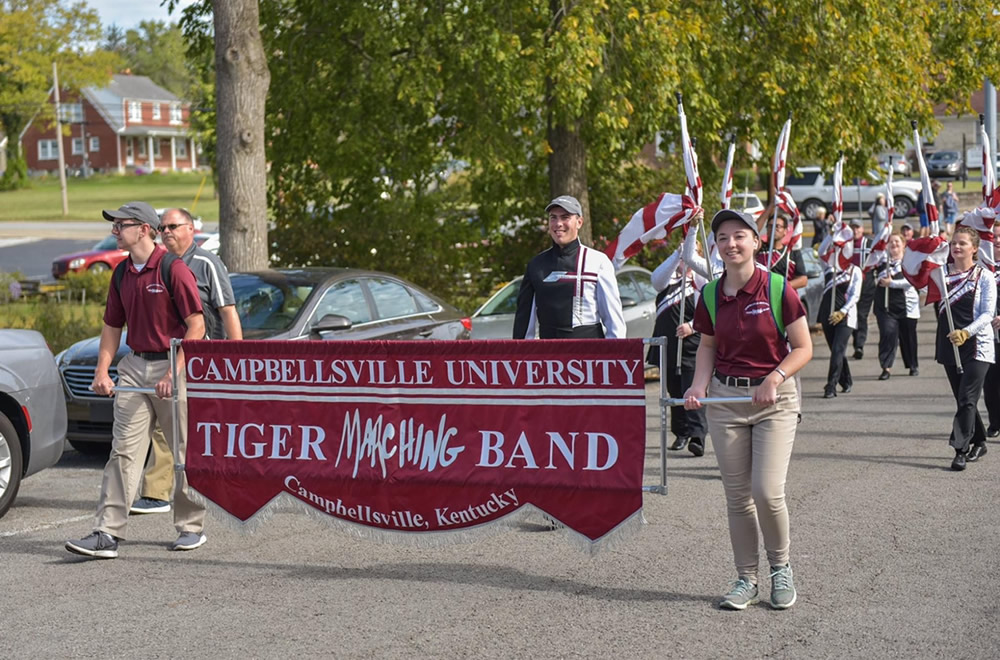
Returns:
(158, 480)
(135, 416)
(753, 446)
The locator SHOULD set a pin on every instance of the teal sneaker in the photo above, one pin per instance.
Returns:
(782, 587)
(742, 593)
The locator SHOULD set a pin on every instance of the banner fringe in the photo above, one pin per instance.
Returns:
(286, 503)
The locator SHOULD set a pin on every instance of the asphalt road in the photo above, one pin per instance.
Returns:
(894, 556)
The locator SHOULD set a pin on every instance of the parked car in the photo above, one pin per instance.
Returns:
(900, 166)
(748, 203)
(290, 304)
(811, 188)
(105, 255)
(32, 411)
(495, 318)
(945, 164)
(812, 292)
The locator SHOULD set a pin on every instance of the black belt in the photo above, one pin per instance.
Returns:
(738, 381)
(162, 355)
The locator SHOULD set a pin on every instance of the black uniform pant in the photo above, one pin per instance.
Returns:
(864, 308)
(893, 332)
(967, 427)
(908, 342)
(991, 390)
(839, 372)
(684, 423)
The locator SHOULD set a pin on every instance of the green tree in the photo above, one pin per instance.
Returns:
(155, 49)
(33, 35)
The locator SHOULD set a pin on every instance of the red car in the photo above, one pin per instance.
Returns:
(103, 256)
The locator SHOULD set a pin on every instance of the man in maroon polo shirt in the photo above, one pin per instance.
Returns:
(155, 312)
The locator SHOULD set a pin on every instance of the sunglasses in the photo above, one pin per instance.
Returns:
(173, 227)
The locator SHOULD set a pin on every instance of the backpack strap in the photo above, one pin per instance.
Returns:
(776, 294)
(117, 275)
(709, 293)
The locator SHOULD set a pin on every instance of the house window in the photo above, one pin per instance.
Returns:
(95, 144)
(71, 113)
(77, 148)
(182, 149)
(156, 111)
(175, 113)
(135, 111)
(48, 150)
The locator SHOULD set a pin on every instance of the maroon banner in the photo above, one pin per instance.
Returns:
(421, 437)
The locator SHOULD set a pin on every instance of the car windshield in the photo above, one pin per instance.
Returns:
(264, 305)
(945, 155)
(109, 242)
(504, 302)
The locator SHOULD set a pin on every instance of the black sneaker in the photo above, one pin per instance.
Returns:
(884, 375)
(959, 463)
(859, 353)
(914, 371)
(98, 544)
(829, 394)
(976, 452)
(697, 446)
(149, 505)
(679, 443)
(993, 431)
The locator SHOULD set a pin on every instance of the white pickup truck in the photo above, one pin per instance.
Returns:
(812, 188)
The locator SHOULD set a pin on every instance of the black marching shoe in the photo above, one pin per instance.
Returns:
(976, 453)
(846, 389)
(884, 375)
(914, 371)
(993, 431)
(697, 446)
(679, 443)
(829, 393)
(959, 463)
(859, 353)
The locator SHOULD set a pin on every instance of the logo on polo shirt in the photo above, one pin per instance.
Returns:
(155, 288)
(759, 307)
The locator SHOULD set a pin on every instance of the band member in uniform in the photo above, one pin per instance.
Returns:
(569, 291)
(897, 308)
(991, 387)
(778, 261)
(862, 246)
(688, 426)
(973, 295)
(743, 352)
(838, 311)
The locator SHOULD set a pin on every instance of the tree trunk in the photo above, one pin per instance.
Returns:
(568, 172)
(242, 79)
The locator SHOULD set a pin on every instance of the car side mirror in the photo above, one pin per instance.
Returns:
(331, 323)
(629, 302)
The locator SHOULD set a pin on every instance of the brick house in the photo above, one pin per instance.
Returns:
(132, 124)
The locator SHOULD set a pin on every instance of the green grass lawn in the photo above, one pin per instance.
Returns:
(87, 197)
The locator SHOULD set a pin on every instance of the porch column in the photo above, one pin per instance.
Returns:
(118, 147)
(173, 154)
(149, 150)
(194, 155)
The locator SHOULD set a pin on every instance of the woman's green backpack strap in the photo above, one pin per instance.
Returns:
(776, 294)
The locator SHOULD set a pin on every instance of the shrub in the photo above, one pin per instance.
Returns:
(88, 286)
(62, 324)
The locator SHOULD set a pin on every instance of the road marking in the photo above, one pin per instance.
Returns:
(38, 528)
(11, 242)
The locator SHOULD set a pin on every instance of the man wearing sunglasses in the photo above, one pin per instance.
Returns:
(221, 322)
(154, 315)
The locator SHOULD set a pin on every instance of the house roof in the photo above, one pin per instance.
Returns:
(109, 100)
(977, 100)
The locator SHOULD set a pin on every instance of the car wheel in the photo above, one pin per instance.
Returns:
(98, 267)
(810, 206)
(11, 464)
(903, 206)
(91, 448)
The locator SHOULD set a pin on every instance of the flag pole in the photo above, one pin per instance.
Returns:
(681, 264)
(947, 311)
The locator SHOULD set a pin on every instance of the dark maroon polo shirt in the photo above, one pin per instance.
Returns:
(748, 343)
(144, 305)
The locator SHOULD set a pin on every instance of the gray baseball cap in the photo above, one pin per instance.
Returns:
(140, 211)
(730, 214)
(569, 203)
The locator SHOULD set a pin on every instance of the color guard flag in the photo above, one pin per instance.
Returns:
(794, 234)
(927, 195)
(780, 156)
(991, 196)
(920, 258)
(727, 177)
(651, 222)
(838, 194)
(877, 254)
(890, 200)
(982, 220)
(690, 159)
(839, 242)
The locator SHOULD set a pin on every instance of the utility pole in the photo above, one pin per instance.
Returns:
(59, 145)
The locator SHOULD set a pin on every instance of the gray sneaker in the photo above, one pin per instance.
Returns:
(782, 588)
(188, 541)
(742, 594)
(98, 544)
(149, 505)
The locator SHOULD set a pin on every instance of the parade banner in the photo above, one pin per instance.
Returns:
(431, 439)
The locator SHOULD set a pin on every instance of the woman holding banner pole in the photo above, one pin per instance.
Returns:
(762, 341)
(897, 308)
(972, 293)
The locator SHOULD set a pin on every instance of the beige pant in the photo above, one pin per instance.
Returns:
(158, 480)
(135, 416)
(753, 446)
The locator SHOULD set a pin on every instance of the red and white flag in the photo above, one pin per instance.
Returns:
(727, 177)
(877, 254)
(694, 186)
(838, 194)
(890, 200)
(930, 208)
(793, 236)
(991, 196)
(651, 222)
(920, 258)
(982, 220)
(780, 156)
(839, 242)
